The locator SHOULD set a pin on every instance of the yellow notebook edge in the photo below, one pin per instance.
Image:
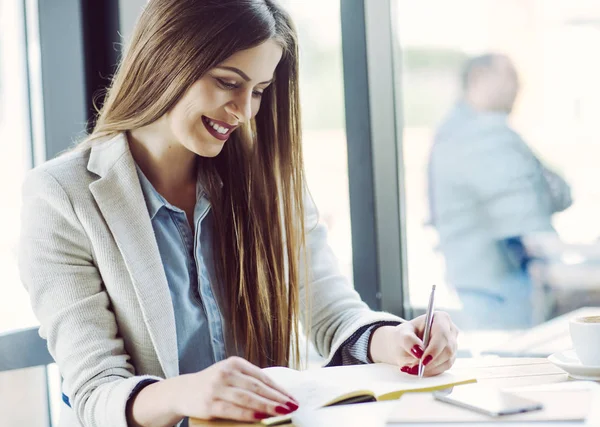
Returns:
(394, 395)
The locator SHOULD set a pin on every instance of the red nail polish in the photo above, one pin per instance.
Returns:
(405, 369)
(292, 406)
(417, 351)
(414, 370)
(428, 359)
(281, 410)
(261, 415)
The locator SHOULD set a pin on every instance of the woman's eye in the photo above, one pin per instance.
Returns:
(227, 85)
(230, 86)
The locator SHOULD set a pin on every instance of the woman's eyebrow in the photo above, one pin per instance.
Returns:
(241, 74)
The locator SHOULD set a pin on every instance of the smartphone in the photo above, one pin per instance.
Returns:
(487, 400)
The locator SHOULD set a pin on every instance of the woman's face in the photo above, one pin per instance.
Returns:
(227, 96)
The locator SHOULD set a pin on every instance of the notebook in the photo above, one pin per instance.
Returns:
(317, 388)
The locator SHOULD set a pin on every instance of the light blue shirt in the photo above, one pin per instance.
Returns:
(187, 259)
(487, 186)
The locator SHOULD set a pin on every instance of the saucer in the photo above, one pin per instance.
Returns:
(569, 362)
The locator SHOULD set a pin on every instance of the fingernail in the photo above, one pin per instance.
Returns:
(281, 410)
(405, 369)
(428, 359)
(261, 415)
(292, 406)
(417, 351)
(414, 370)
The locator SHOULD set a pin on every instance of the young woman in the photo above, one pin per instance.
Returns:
(176, 250)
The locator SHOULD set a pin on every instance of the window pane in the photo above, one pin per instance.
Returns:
(15, 311)
(26, 387)
(488, 181)
(324, 137)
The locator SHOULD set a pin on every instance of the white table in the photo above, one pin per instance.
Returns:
(495, 371)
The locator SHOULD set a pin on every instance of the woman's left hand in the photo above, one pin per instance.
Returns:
(402, 345)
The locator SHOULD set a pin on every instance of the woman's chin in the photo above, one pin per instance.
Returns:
(206, 148)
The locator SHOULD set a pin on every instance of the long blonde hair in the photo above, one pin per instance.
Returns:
(255, 184)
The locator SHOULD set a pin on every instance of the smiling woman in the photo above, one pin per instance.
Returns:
(175, 251)
(221, 100)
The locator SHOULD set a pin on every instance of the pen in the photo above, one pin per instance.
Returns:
(427, 333)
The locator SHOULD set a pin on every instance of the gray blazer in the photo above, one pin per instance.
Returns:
(89, 259)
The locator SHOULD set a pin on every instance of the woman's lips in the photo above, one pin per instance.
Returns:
(210, 124)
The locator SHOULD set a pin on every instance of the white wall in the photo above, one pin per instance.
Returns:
(129, 10)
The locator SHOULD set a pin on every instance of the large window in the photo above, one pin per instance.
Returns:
(488, 215)
(324, 137)
(24, 399)
(15, 159)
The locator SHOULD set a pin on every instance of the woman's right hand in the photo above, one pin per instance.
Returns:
(232, 389)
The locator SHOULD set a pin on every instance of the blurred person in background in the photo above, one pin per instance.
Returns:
(487, 190)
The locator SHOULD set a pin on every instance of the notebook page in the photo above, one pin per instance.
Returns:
(413, 383)
(319, 386)
(308, 387)
(382, 378)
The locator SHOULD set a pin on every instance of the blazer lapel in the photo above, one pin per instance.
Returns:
(121, 201)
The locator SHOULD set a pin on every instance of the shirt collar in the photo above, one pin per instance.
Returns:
(155, 201)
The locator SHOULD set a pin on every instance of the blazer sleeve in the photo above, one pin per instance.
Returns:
(336, 311)
(66, 291)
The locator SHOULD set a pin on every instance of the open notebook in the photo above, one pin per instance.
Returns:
(316, 388)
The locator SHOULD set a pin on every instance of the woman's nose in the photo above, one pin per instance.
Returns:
(241, 107)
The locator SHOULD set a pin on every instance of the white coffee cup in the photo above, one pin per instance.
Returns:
(585, 334)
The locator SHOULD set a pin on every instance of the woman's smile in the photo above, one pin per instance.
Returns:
(218, 129)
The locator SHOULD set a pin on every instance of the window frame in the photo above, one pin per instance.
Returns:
(375, 162)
